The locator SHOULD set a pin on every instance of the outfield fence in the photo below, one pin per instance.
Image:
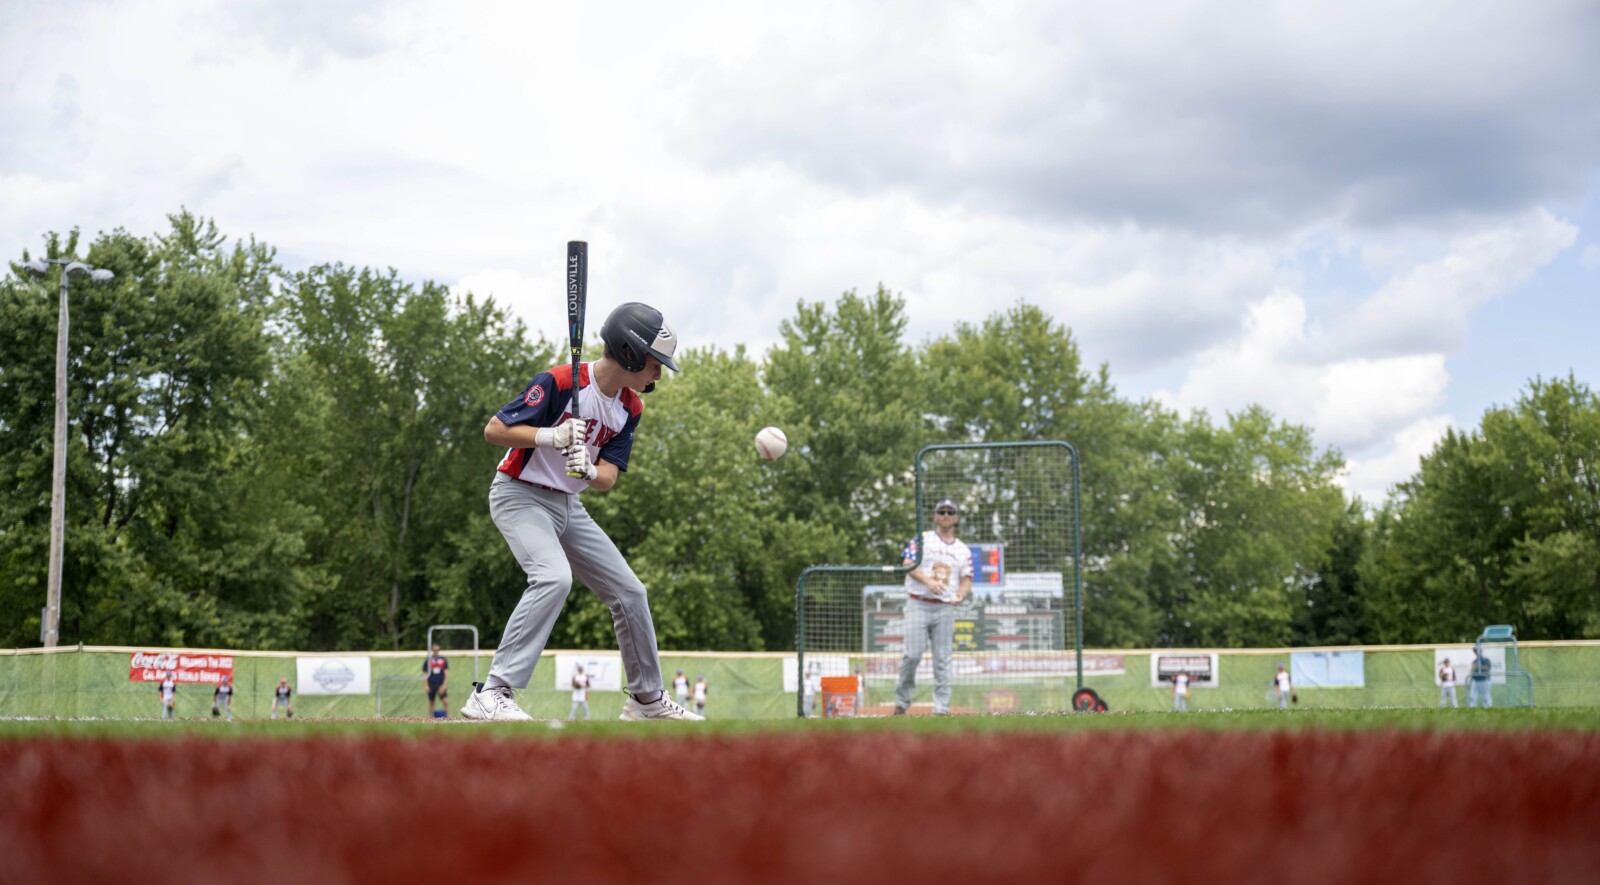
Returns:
(99, 681)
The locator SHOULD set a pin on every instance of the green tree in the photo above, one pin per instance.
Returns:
(860, 414)
(1500, 525)
(1018, 375)
(169, 538)
(1259, 503)
(1330, 612)
(399, 381)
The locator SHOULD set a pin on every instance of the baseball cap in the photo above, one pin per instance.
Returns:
(947, 504)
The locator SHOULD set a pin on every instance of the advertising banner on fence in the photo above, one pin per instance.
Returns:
(152, 666)
(1328, 669)
(818, 665)
(1200, 665)
(342, 675)
(604, 671)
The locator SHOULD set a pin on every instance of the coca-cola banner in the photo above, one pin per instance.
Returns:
(152, 666)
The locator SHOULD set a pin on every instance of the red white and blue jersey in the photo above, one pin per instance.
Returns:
(435, 666)
(547, 402)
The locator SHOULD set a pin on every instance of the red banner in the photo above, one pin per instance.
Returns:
(152, 666)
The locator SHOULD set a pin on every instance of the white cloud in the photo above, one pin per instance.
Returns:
(1371, 479)
(1427, 308)
(1181, 189)
(1352, 403)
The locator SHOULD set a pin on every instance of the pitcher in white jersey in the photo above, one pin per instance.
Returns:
(940, 580)
(552, 456)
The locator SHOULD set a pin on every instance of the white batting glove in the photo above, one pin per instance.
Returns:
(562, 435)
(578, 464)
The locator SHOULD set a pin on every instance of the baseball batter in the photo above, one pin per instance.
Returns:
(534, 502)
(942, 581)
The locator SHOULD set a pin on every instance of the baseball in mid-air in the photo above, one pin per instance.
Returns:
(771, 443)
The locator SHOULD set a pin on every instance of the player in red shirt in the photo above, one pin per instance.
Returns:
(438, 670)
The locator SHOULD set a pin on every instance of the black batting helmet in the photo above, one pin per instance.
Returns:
(634, 331)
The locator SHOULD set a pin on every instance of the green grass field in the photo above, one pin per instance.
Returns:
(1580, 719)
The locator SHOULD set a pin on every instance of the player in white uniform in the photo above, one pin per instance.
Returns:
(580, 694)
(1447, 685)
(940, 582)
(534, 502)
(1284, 688)
(700, 695)
(1180, 692)
(168, 689)
(680, 688)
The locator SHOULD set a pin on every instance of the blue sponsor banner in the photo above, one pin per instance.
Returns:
(988, 564)
(1328, 669)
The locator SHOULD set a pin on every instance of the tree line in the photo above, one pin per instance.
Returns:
(266, 458)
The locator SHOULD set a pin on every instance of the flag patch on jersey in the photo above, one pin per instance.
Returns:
(535, 395)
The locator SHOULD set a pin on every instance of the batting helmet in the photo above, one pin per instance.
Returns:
(635, 331)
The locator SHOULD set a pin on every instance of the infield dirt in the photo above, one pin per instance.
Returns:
(1317, 806)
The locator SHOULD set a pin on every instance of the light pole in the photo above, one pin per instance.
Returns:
(58, 478)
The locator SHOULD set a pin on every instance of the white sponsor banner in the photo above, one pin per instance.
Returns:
(333, 675)
(1202, 667)
(1461, 662)
(816, 665)
(604, 671)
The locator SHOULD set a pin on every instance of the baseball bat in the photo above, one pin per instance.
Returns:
(577, 302)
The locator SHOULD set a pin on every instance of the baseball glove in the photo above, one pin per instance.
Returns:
(1294, 698)
(215, 712)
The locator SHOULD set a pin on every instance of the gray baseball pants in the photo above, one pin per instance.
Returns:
(555, 540)
(927, 622)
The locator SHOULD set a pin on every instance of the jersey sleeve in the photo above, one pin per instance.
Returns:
(618, 448)
(541, 403)
(909, 552)
(966, 561)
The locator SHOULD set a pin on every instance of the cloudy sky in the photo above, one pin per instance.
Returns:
(1378, 218)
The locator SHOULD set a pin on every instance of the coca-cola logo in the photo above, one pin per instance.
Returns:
(155, 660)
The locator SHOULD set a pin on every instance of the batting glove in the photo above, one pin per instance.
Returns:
(578, 464)
(562, 435)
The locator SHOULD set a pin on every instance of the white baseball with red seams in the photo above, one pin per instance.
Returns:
(771, 443)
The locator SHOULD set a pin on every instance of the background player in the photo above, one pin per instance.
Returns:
(931, 605)
(1180, 692)
(700, 696)
(438, 670)
(1478, 693)
(281, 695)
(1447, 685)
(580, 693)
(222, 698)
(1285, 690)
(167, 688)
(680, 687)
(534, 502)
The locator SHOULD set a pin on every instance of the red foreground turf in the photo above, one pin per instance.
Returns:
(1111, 806)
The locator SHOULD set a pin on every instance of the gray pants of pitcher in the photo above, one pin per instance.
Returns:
(555, 540)
(927, 622)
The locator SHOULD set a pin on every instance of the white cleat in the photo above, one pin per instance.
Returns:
(665, 708)
(492, 705)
